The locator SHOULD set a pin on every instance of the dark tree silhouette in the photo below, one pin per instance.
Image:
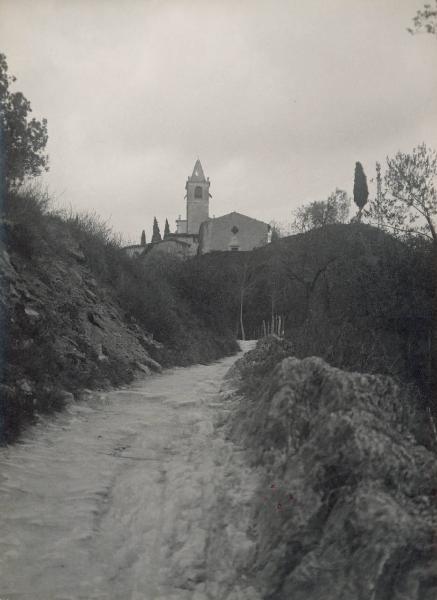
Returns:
(22, 140)
(156, 236)
(166, 229)
(275, 234)
(425, 20)
(143, 238)
(361, 192)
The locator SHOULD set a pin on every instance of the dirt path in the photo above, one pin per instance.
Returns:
(124, 498)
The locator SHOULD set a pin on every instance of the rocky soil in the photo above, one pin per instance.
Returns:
(345, 502)
(61, 332)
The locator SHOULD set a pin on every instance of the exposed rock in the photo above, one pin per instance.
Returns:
(155, 366)
(25, 386)
(30, 312)
(143, 368)
(149, 342)
(65, 332)
(346, 505)
(94, 319)
(101, 354)
(66, 397)
(77, 254)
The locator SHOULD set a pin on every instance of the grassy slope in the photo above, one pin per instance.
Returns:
(76, 313)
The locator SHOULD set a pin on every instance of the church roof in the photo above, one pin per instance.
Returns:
(198, 174)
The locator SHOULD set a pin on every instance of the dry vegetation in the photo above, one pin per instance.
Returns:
(349, 293)
(76, 312)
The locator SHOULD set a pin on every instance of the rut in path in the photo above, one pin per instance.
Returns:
(117, 498)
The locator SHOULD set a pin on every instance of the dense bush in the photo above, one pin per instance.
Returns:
(351, 294)
(256, 365)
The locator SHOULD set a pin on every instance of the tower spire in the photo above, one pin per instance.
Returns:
(198, 174)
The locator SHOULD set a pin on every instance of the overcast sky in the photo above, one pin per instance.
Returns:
(277, 98)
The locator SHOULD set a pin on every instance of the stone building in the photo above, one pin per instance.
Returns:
(197, 196)
(134, 250)
(175, 246)
(233, 232)
(198, 233)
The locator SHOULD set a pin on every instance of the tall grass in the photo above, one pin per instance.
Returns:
(42, 242)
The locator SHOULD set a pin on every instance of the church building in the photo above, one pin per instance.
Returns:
(198, 233)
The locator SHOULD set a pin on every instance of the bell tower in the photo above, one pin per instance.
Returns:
(198, 195)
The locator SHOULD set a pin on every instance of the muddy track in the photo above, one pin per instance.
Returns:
(132, 495)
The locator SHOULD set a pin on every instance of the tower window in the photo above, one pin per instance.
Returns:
(198, 192)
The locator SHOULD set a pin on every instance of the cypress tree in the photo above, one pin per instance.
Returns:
(361, 192)
(143, 238)
(156, 237)
(166, 229)
(275, 234)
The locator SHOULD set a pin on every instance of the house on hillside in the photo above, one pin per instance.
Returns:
(198, 233)
(174, 246)
(134, 250)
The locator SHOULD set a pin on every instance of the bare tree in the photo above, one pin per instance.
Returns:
(306, 268)
(408, 203)
(246, 280)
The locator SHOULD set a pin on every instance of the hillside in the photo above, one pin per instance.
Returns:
(76, 313)
(316, 482)
(344, 503)
(351, 294)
